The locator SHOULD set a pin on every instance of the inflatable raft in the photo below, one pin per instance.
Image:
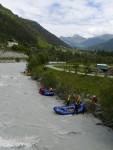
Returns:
(66, 110)
(46, 92)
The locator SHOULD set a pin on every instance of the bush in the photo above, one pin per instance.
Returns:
(17, 59)
(64, 89)
(37, 72)
(49, 79)
(106, 95)
(33, 62)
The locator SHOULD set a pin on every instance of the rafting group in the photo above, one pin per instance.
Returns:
(76, 108)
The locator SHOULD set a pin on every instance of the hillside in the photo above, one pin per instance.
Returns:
(88, 43)
(46, 35)
(92, 41)
(108, 46)
(25, 31)
(73, 41)
(98, 40)
(11, 26)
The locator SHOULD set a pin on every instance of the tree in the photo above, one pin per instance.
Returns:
(76, 67)
(87, 68)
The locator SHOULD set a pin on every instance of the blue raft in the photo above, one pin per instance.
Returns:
(66, 110)
(46, 92)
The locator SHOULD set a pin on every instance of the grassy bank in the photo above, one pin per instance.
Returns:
(83, 83)
(67, 83)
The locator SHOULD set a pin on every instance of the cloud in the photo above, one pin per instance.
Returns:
(67, 17)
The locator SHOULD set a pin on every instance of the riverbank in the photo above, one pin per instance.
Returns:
(66, 83)
(11, 57)
(95, 109)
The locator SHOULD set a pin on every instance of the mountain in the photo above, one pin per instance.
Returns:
(46, 35)
(106, 37)
(11, 26)
(92, 41)
(77, 41)
(108, 46)
(97, 40)
(25, 31)
(73, 41)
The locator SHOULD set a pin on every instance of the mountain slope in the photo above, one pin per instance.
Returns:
(108, 46)
(24, 31)
(92, 41)
(85, 43)
(97, 40)
(46, 35)
(73, 41)
(106, 37)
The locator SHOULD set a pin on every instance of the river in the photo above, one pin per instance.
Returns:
(28, 122)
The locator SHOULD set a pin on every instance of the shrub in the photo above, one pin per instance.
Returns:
(32, 63)
(37, 72)
(64, 89)
(17, 59)
(106, 95)
(49, 79)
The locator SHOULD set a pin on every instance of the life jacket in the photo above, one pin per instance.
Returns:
(42, 89)
(68, 98)
(77, 98)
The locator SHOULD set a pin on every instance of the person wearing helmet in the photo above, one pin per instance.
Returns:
(94, 99)
(51, 89)
(77, 103)
(77, 98)
(42, 90)
(68, 100)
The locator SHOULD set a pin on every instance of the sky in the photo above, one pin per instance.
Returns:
(87, 18)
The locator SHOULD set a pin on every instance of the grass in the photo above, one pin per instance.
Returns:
(70, 67)
(102, 87)
(84, 83)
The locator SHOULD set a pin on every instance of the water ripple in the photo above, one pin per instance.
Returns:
(26, 142)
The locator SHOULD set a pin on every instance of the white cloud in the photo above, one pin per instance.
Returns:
(67, 17)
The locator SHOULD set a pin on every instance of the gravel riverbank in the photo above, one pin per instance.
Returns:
(8, 54)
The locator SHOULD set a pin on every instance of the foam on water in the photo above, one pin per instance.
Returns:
(5, 76)
(25, 142)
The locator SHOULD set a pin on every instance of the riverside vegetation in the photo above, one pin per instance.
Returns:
(66, 83)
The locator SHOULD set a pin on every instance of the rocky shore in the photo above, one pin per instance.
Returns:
(8, 56)
(93, 108)
(97, 110)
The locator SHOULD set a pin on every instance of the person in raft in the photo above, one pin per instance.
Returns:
(51, 89)
(68, 100)
(42, 90)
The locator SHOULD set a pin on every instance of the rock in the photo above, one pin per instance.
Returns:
(100, 124)
(98, 114)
